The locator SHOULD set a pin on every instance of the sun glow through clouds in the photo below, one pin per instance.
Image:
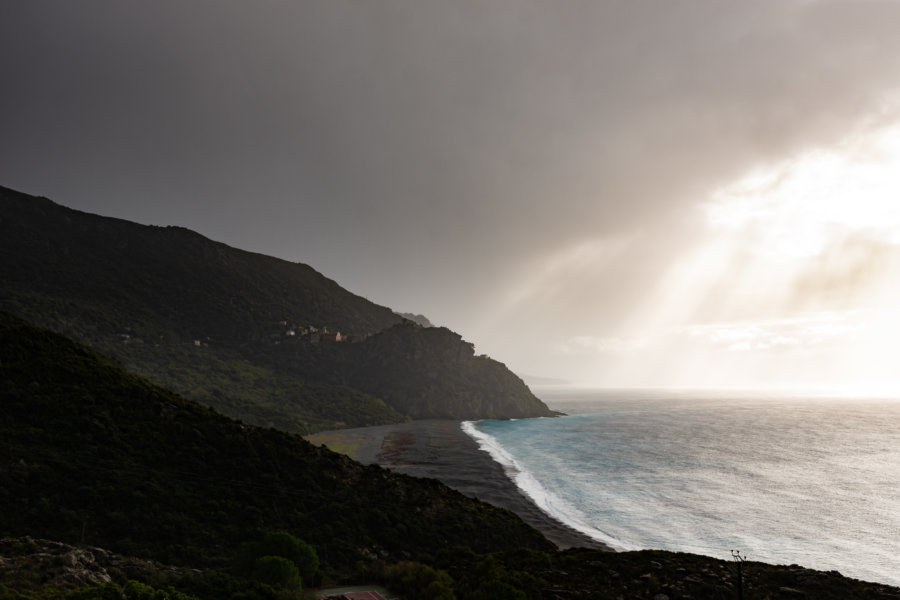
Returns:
(794, 284)
(803, 205)
(822, 232)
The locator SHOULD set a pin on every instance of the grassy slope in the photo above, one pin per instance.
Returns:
(93, 454)
(145, 294)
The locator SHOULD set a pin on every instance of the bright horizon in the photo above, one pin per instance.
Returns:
(802, 258)
(794, 284)
(642, 194)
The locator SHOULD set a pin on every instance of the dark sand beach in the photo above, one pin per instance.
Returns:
(441, 450)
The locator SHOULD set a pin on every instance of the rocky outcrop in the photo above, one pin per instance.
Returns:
(35, 563)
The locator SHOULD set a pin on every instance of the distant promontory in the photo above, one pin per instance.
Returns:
(261, 339)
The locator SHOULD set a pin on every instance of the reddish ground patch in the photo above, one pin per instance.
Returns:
(395, 444)
(359, 592)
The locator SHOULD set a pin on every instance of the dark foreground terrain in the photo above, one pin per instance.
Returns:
(112, 488)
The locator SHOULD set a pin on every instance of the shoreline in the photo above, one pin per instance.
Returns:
(440, 449)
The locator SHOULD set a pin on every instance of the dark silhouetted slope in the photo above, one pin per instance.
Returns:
(233, 329)
(415, 369)
(199, 288)
(92, 454)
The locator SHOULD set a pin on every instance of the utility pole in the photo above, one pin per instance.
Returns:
(739, 560)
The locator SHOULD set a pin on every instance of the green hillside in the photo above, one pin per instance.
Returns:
(145, 495)
(92, 454)
(235, 330)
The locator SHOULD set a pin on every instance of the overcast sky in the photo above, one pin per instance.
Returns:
(622, 193)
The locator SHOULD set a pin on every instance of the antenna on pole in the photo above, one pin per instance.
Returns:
(739, 560)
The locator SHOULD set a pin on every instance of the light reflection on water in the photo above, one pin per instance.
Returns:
(787, 479)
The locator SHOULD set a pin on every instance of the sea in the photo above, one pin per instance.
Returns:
(780, 477)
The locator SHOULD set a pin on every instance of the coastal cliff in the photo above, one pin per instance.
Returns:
(265, 340)
(416, 369)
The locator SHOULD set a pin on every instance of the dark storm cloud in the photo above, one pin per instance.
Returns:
(421, 152)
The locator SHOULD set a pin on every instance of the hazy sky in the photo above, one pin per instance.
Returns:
(640, 193)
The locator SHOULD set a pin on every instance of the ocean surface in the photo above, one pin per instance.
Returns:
(784, 478)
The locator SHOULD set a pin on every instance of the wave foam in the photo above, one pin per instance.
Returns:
(549, 503)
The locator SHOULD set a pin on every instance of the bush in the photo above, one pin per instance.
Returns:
(298, 553)
(277, 571)
(420, 582)
(498, 590)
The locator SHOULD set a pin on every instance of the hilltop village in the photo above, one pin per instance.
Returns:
(315, 335)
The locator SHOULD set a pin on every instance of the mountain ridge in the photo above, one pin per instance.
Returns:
(237, 330)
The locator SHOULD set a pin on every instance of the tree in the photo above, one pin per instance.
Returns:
(277, 571)
(499, 590)
(280, 544)
(420, 582)
(303, 555)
